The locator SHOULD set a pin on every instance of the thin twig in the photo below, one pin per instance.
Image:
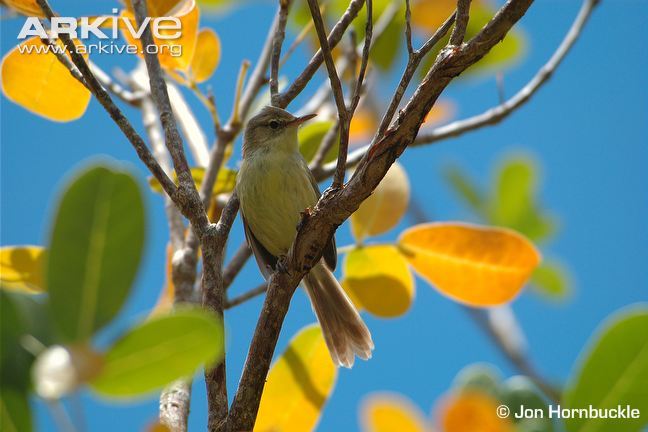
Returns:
(327, 144)
(357, 90)
(414, 59)
(246, 296)
(258, 77)
(336, 35)
(277, 42)
(497, 114)
(461, 23)
(242, 254)
(338, 94)
(195, 211)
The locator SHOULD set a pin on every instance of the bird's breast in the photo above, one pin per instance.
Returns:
(274, 188)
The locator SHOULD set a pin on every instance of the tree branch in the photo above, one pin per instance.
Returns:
(277, 42)
(246, 296)
(344, 120)
(213, 293)
(335, 205)
(500, 112)
(236, 264)
(188, 194)
(461, 22)
(336, 35)
(413, 61)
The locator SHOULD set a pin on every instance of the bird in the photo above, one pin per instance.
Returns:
(274, 186)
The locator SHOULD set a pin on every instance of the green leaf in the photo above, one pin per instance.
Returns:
(466, 190)
(225, 182)
(15, 412)
(513, 201)
(613, 371)
(481, 377)
(520, 391)
(514, 191)
(551, 279)
(95, 249)
(310, 139)
(159, 351)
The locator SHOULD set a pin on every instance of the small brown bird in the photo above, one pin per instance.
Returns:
(274, 186)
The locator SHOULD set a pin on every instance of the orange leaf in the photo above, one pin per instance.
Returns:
(37, 81)
(475, 265)
(173, 53)
(429, 15)
(25, 7)
(207, 55)
(472, 412)
(363, 125)
(391, 412)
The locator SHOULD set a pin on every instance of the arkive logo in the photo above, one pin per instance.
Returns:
(164, 28)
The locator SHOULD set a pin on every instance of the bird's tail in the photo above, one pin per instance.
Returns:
(345, 333)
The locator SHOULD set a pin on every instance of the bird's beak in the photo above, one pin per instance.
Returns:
(300, 120)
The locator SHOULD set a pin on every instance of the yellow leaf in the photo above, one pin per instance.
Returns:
(21, 268)
(25, 7)
(379, 279)
(391, 412)
(173, 53)
(207, 55)
(298, 385)
(38, 82)
(475, 265)
(472, 412)
(385, 207)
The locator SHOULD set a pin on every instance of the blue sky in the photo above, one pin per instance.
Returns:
(587, 128)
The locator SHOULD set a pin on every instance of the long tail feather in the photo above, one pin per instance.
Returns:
(345, 333)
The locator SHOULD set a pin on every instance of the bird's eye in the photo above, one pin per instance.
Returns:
(274, 124)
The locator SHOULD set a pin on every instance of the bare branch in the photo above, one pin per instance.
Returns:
(213, 297)
(189, 196)
(258, 78)
(357, 91)
(336, 35)
(413, 61)
(461, 23)
(247, 296)
(327, 144)
(243, 253)
(408, 28)
(338, 94)
(280, 34)
(500, 112)
(175, 401)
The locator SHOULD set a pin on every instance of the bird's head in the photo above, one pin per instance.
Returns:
(272, 127)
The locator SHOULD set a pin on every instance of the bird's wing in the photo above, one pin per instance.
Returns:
(330, 251)
(265, 260)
